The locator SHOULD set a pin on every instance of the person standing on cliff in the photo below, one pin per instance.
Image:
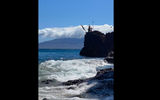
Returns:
(89, 28)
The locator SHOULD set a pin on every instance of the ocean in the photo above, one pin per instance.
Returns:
(61, 65)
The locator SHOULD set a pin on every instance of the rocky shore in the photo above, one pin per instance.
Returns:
(102, 89)
(96, 44)
(101, 75)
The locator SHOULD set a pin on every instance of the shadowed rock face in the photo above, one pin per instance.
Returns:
(97, 44)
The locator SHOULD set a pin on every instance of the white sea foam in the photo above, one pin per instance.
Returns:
(62, 93)
(64, 70)
(77, 93)
(71, 69)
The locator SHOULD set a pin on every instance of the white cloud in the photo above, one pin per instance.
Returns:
(71, 32)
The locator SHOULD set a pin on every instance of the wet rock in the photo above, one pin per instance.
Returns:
(103, 87)
(73, 82)
(70, 88)
(101, 75)
(104, 74)
(45, 99)
(46, 81)
(102, 71)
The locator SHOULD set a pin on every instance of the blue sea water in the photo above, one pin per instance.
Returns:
(58, 54)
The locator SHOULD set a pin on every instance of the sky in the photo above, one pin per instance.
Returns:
(63, 14)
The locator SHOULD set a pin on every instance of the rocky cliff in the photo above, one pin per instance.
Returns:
(97, 44)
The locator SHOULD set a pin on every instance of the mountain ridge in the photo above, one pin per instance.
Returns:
(63, 43)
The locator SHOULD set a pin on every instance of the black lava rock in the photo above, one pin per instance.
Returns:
(104, 74)
(97, 44)
(72, 82)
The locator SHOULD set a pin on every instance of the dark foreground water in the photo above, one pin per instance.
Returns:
(64, 65)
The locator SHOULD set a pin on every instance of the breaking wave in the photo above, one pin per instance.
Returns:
(64, 70)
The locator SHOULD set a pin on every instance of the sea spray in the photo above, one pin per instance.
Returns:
(64, 70)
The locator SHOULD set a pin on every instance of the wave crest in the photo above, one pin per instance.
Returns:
(70, 69)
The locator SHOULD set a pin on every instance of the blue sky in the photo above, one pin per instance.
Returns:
(65, 13)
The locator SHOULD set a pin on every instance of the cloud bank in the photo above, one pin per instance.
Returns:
(71, 32)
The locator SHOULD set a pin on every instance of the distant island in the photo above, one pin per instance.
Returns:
(64, 43)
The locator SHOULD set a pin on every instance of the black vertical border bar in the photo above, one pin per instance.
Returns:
(34, 35)
(123, 45)
(117, 44)
(21, 52)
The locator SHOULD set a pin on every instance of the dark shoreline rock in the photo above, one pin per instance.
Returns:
(46, 81)
(73, 82)
(104, 84)
(101, 75)
(97, 44)
(110, 57)
(103, 71)
(49, 82)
